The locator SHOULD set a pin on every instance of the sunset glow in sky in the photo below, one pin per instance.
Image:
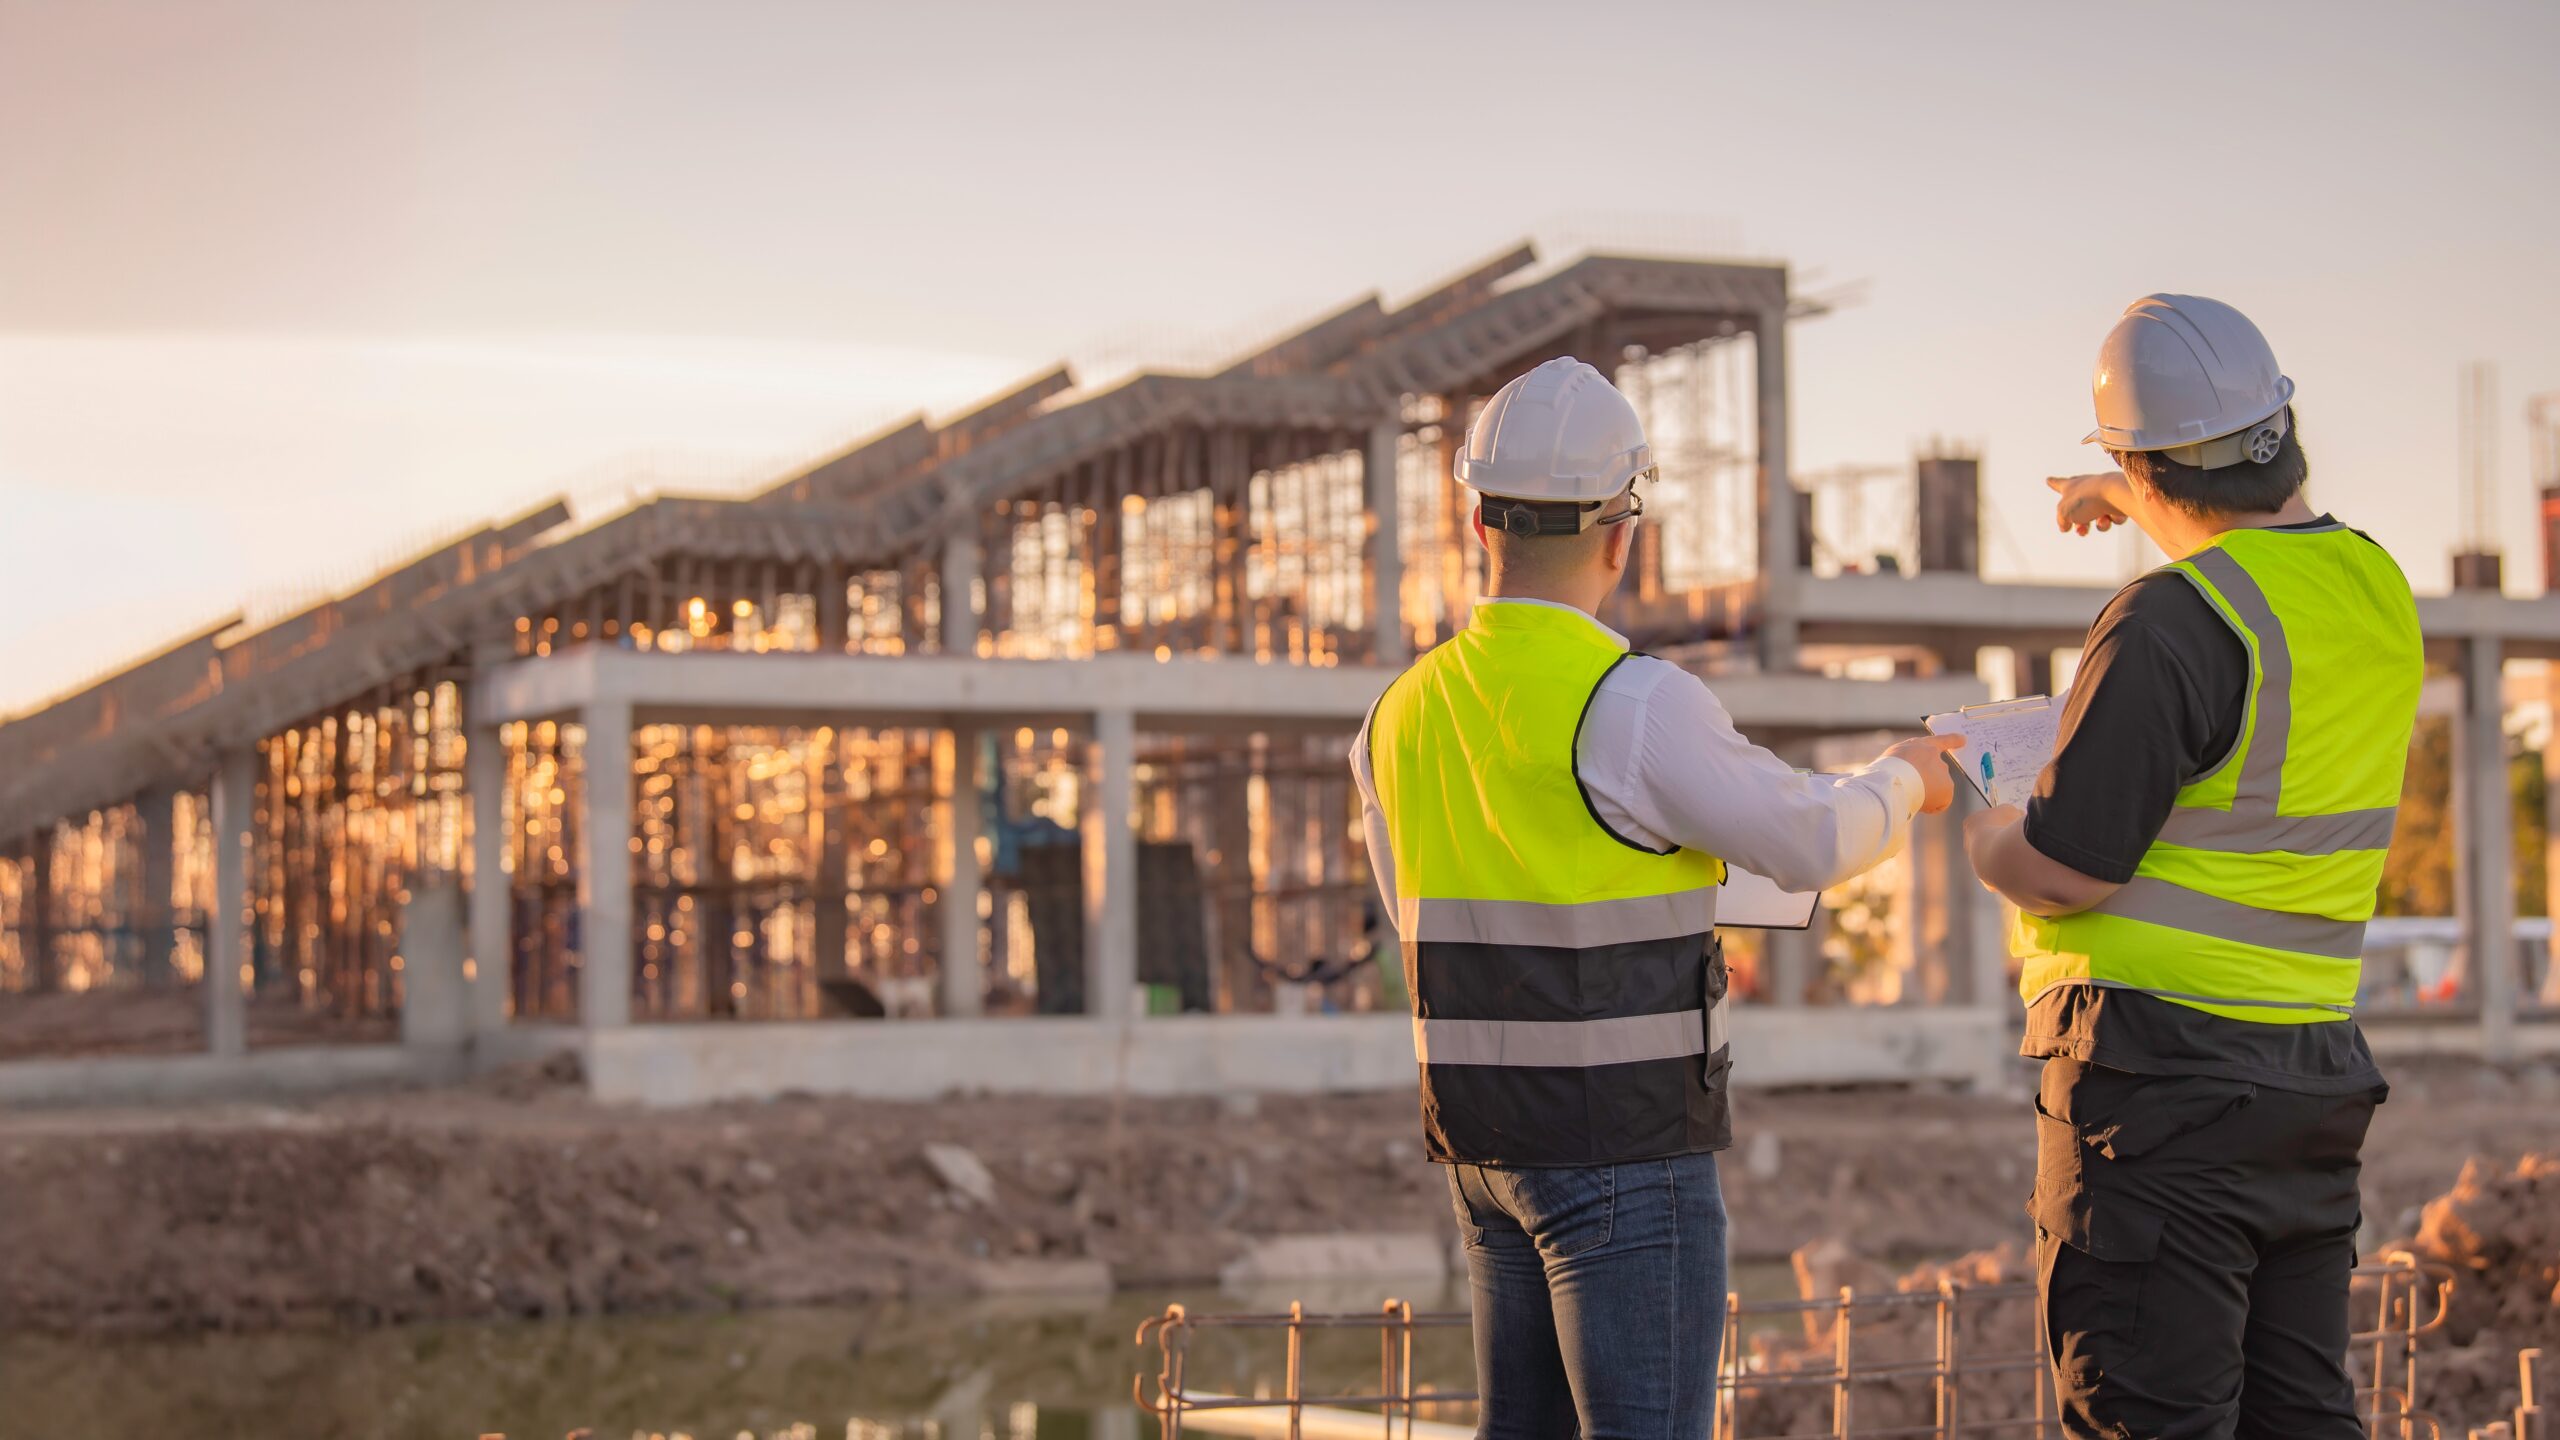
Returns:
(289, 289)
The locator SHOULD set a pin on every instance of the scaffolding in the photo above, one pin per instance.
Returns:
(852, 778)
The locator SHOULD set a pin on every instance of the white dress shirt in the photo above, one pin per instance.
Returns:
(1664, 766)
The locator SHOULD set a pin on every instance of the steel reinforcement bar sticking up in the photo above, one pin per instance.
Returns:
(1966, 1378)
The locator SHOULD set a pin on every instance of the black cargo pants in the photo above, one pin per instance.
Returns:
(2194, 1238)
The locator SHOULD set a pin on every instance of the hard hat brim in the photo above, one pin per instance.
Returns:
(2135, 440)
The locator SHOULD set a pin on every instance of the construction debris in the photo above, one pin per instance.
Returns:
(962, 1172)
(2497, 1231)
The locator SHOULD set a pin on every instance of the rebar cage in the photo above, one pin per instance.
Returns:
(1953, 1359)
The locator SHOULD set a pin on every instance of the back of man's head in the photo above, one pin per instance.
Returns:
(1543, 561)
(2244, 488)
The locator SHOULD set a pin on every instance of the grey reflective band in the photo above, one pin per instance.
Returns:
(2092, 980)
(1583, 926)
(2251, 826)
(2247, 833)
(2157, 902)
(1555, 1044)
(2262, 769)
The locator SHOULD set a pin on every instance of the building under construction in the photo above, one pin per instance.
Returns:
(1006, 751)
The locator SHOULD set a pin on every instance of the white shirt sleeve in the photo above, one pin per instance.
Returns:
(1373, 826)
(1665, 766)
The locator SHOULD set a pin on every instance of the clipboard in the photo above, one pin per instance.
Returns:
(1754, 902)
(2007, 745)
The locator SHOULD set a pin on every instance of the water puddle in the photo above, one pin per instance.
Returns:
(1013, 1369)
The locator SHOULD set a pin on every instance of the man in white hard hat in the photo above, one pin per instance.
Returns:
(1549, 817)
(2193, 876)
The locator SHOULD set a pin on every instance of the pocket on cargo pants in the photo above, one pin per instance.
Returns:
(2092, 1252)
(2139, 1322)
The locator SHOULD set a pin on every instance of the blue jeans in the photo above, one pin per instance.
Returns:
(1599, 1298)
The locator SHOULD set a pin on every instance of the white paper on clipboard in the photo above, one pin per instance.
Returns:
(2006, 745)
(1754, 902)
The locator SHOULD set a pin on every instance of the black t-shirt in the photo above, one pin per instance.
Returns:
(2159, 700)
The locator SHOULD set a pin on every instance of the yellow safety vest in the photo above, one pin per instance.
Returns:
(2252, 902)
(1566, 985)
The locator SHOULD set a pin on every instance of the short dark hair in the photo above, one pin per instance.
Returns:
(2247, 488)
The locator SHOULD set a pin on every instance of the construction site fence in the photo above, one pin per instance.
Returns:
(1972, 1379)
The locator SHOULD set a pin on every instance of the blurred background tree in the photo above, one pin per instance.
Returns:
(2418, 878)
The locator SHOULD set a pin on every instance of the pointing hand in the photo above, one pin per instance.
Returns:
(2089, 501)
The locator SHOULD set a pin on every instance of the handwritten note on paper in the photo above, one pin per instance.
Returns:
(2006, 746)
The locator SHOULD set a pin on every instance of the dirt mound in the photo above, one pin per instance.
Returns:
(2498, 1233)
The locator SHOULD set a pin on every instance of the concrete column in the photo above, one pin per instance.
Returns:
(2487, 890)
(1792, 957)
(1779, 577)
(226, 921)
(1111, 869)
(1989, 919)
(1789, 956)
(604, 869)
(964, 980)
(2034, 670)
(491, 920)
(2550, 830)
(157, 810)
(830, 926)
(1393, 644)
(961, 564)
(1939, 925)
(43, 968)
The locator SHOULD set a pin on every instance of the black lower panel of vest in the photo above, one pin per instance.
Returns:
(1529, 1115)
(1451, 980)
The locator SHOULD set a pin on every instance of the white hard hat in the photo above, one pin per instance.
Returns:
(2193, 378)
(1561, 432)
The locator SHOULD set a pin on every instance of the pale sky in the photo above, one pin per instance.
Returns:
(288, 290)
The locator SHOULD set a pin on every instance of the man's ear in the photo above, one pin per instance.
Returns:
(1475, 522)
(1615, 548)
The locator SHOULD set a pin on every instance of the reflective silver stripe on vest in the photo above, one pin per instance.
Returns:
(1622, 1040)
(2251, 826)
(2262, 768)
(2199, 999)
(2247, 833)
(2158, 902)
(1583, 926)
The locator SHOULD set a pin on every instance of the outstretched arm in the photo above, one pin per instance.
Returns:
(1699, 783)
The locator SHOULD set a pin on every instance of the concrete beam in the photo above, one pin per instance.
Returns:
(1218, 1054)
(604, 868)
(157, 1080)
(1894, 609)
(1180, 693)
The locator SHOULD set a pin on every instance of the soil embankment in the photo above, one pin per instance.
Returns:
(519, 1197)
